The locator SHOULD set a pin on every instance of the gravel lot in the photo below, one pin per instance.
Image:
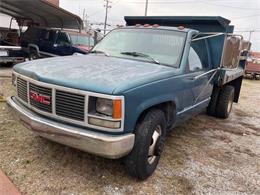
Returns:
(203, 156)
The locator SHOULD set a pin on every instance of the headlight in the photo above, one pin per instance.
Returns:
(105, 112)
(13, 79)
(104, 106)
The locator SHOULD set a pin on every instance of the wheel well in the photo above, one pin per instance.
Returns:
(169, 109)
(32, 49)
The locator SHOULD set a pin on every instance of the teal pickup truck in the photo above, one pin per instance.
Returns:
(140, 81)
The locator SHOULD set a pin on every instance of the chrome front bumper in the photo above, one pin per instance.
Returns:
(109, 146)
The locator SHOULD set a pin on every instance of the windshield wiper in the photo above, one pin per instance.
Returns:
(98, 51)
(138, 54)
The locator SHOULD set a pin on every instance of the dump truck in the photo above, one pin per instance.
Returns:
(139, 82)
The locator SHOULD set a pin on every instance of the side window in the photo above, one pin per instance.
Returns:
(201, 49)
(62, 39)
(194, 61)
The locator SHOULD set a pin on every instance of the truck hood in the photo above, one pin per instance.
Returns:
(94, 72)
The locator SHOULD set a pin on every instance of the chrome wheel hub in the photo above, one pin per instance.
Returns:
(230, 102)
(152, 154)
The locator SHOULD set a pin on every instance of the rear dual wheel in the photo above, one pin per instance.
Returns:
(221, 102)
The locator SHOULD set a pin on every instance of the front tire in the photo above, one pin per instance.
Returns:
(225, 102)
(150, 136)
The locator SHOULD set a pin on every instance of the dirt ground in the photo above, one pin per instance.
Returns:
(203, 156)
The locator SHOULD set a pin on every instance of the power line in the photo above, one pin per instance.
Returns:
(158, 1)
(228, 6)
(215, 3)
(243, 17)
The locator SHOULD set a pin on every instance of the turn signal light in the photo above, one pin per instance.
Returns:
(117, 114)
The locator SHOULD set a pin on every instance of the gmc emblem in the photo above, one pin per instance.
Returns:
(43, 99)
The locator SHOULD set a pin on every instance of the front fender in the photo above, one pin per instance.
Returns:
(144, 97)
(155, 101)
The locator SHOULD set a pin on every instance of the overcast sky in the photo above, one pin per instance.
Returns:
(244, 14)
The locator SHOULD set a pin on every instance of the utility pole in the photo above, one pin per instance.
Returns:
(85, 21)
(250, 34)
(146, 8)
(107, 6)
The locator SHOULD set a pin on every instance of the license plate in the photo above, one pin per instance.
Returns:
(3, 53)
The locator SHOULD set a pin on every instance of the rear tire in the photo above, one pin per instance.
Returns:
(211, 109)
(150, 136)
(225, 102)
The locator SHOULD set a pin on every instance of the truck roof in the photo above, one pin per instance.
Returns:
(200, 23)
(159, 27)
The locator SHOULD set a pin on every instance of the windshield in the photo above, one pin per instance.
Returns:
(82, 40)
(153, 45)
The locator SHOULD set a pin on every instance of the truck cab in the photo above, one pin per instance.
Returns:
(140, 81)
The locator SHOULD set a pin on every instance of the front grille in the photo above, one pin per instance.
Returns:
(67, 105)
(70, 105)
(22, 91)
(43, 92)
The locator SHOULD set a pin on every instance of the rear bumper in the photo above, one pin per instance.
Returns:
(109, 146)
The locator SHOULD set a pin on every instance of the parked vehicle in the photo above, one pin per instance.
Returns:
(253, 66)
(42, 42)
(140, 81)
(47, 16)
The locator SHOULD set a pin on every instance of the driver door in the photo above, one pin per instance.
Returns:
(199, 75)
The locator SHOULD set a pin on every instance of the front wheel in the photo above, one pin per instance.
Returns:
(150, 136)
